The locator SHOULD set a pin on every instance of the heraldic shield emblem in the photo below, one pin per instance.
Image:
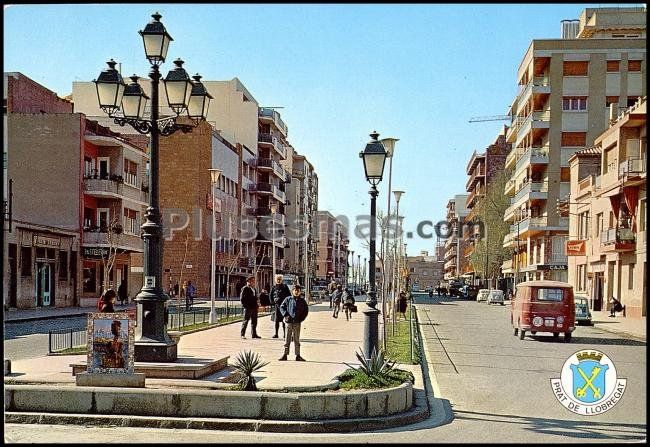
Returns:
(588, 383)
(589, 378)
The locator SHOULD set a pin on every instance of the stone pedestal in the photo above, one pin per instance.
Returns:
(135, 380)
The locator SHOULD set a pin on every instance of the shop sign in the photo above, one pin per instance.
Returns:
(94, 252)
(552, 267)
(45, 241)
(576, 248)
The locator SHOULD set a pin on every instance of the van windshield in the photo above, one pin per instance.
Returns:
(550, 294)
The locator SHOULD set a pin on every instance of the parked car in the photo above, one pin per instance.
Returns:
(454, 288)
(543, 306)
(482, 295)
(495, 296)
(470, 292)
(583, 314)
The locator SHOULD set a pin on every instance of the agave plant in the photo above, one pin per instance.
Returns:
(246, 364)
(377, 366)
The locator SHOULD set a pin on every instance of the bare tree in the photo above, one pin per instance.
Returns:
(114, 231)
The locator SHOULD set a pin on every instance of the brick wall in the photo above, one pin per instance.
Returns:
(184, 184)
(27, 96)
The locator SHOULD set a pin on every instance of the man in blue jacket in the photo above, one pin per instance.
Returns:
(294, 309)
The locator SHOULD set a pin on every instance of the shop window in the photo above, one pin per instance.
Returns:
(613, 66)
(63, 264)
(575, 68)
(26, 261)
(633, 65)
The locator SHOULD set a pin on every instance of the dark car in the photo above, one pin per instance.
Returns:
(470, 292)
(455, 288)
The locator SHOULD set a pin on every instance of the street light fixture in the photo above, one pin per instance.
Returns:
(374, 159)
(214, 178)
(152, 344)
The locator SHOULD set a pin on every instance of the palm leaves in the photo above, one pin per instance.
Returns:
(377, 366)
(246, 364)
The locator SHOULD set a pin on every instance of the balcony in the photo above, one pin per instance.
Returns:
(450, 265)
(115, 189)
(535, 120)
(632, 168)
(473, 196)
(473, 161)
(122, 241)
(506, 267)
(510, 187)
(617, 239)
(278, 194)
(526, 192)
(533, 156)
(513, 130)
(261, 188)
(271, 116)
(539, 85)
(477, 174)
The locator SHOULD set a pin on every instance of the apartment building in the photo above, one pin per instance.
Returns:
(302, 199)
(482, 168)
(76, 210)
(457, 242)
(425, 271)
(607, 215)
(566, 88)
(331, 249)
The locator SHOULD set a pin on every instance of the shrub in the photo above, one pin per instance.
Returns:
(246, 364)
(377, 366)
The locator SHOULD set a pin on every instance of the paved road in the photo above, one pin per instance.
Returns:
(498, 387)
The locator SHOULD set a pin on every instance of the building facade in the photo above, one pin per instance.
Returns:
(331, 248)
(607, 215)
(457, 242)
(566, 87)
(425, 271)
(482, 168)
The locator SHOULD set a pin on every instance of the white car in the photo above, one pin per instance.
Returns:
(482, 295)
(495, 296)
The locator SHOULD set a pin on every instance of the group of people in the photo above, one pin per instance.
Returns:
(339, 295)
(290, 310)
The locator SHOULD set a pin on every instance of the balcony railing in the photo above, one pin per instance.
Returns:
(261, 187)
(122, 241)
(617, 235)
(116, 189)
(632, 167)
(271, 113)
(476, 173)
(280, 195)
(531, 156)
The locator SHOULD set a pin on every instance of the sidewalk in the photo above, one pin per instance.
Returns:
(43, 313)
(634, 328)
(326, 343)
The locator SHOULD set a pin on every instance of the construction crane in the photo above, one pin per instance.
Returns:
(478, 119)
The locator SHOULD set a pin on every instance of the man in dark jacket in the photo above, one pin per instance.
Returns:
(294, 308)
(278, 293)
(250, 304)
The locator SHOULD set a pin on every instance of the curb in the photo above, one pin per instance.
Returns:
(419, 412)
(622, 333)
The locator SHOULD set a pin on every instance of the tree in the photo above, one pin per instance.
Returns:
(489, 253)
(113, 230)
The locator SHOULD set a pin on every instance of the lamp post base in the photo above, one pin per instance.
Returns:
(212, 317)
(155, 351)
(370, 331)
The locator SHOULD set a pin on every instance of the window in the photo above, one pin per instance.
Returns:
(630, 277)
(130, 221)
(633, 65)
(576, 68)
(63, 264)
(576, 103)
(130, 172)
(582, 277)
(574, 138)
(26, 261)
(599, 224)
(613, 66)
(88, 167)
(550, 295)
(609, 100)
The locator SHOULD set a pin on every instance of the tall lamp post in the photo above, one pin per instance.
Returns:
(126, 104)
(395, 272)
(274, 208)
(352, 265)
(389, 145)
(214, 178)
(374, 159)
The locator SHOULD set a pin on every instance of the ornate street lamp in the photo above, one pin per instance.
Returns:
(374, 159)
(126, 105)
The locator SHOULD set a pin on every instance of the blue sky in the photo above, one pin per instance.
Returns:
(416, 72)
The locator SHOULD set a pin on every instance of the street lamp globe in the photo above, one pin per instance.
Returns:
(374, 159)
(156, 40)
(134, 99)
(110, 88)
(178, 87)
(197, 109)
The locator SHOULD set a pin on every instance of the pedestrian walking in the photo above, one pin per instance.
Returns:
(106, 302)
(250, 303)
(294, 309)
(278, 293)
(121, 293)
(401, 304)
(336, 298)
(331, 288)
(191, 292)
(348, 304)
